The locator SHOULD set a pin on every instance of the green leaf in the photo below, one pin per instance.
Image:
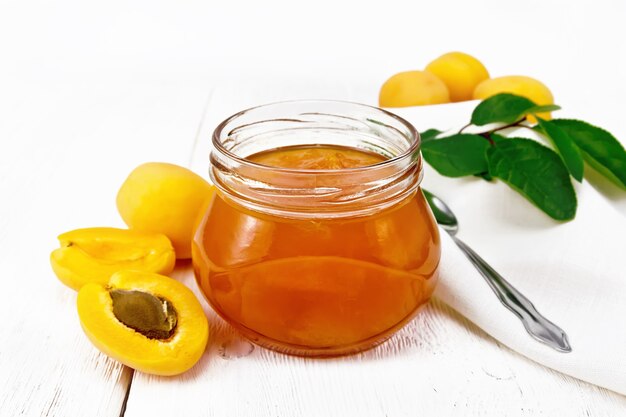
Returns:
(566, 146)
(457, 155)
(599, 148)
(507, 108)
(497, 138)
(503, 108)
(543, 109)
(485, 176)
(429, 134)
(536, 172)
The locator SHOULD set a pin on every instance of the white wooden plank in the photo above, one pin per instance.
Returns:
(59, 172)
(53, 142)
(439, 364)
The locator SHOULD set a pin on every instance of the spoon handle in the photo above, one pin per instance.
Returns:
(535, 324)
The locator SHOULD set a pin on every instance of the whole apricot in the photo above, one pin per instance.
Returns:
(413, 88)
(149, 322)
(94, 254)
(164, 198)
(460, 72)
(528, 87)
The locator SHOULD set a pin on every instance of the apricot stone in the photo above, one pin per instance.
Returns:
(460, 72)
(148, 314)
(528, 87)
(164, 198)
(122, 319)
(94, 254)
(413, 88)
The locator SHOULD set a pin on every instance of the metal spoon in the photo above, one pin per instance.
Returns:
(535, 324)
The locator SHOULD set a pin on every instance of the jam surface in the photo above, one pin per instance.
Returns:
(316, 157)
(317, 286)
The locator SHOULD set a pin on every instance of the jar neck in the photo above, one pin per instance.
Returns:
(306, 194)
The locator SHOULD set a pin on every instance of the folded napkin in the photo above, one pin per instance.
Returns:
(573, 272)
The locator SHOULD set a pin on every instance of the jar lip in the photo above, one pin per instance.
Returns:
(413, 147)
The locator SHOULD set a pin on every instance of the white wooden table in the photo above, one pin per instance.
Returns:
(69, 135)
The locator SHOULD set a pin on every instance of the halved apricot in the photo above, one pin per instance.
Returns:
(94, 254)
(147, 321)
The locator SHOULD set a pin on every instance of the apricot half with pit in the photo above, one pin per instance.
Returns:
(94, 254)
(147, 321)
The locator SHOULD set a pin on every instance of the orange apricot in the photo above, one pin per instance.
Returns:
(164, 198)
(528, 87)
(460, 72)
(413, 88)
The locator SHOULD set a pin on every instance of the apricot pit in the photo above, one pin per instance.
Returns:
(152, 316)
(147, 321)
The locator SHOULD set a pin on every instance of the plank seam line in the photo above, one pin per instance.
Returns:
(196, 140)
(130, 384)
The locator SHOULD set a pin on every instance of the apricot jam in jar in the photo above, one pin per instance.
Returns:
(319, 241)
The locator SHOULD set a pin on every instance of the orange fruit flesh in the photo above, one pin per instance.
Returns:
(94, 254)
(302, 286)
(155, 356)
(316, 157)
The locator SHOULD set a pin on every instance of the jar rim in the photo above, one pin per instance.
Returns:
(413, 147)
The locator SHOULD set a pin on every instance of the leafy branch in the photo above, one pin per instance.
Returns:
(539, 173)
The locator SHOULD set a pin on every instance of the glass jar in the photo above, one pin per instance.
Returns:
(316, 262)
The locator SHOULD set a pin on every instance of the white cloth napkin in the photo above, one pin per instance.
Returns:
(574, 272)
